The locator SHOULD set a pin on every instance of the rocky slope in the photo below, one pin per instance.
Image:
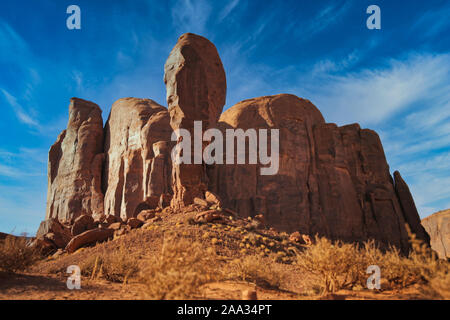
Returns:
(332, 180)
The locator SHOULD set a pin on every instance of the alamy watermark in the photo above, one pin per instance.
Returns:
(213, 153)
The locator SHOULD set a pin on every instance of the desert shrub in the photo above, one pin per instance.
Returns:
(112, 265)
(341, 265)
(338, 265)
(257, 269)
(177, 271)
(16, 254)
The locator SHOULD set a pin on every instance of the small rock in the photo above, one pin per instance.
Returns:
(144, 215)
(134, 223)
(82, 223)
(208, 216)
(295, 237)
(111, 219)
(212, 198)
(115, 225)
(201, 202)
(60, 240)
(306, 239)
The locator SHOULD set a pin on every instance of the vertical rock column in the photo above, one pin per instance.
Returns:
(133, 127)
(75, 165)
(196, 91)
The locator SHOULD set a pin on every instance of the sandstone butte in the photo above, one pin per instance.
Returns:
(332, 181)
(438, 227)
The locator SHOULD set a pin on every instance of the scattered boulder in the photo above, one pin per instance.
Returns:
(115, 225)
(49, 225)
(201, 202)
(208, 216)
(145, 215)
(59, 239)
(134, 223)
(89, 237)
(53, 231)
(82, 223)
(112, 219)
(295, 237)
(212, 198)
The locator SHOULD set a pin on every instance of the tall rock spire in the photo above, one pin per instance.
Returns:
(196, 90)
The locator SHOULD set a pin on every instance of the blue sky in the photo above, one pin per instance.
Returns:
(395, 80)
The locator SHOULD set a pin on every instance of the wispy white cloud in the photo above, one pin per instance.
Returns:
(191, 16)
(433, 22)
(20, 112)
(227, 9)
(372, 96)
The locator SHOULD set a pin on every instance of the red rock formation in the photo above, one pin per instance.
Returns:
(196, 90)
(409, 208)
(438, 227)
(137, 157)
(74, 164)
(333, 181)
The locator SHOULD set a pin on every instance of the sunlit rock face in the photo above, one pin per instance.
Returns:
(137, 165)
(75, 164)
(332, 181)
(196, 90)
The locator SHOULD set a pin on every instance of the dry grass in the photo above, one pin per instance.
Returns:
(16, 255)
(341, 265)
(257, 269)
(113, 265)
(178, 270)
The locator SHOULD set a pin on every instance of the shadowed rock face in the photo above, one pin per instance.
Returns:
(135, 131)
(74, 164)
(333, 181)
(438, 227)
(196, 90)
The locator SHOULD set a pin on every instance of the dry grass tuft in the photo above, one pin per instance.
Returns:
(257, 269)
(16, 255)
(179, 269)
(341, 265)
(112, 265)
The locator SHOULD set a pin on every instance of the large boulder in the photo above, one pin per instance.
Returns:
(438, 227)
(51, 230)
(196, 90)
(137, 168)
(82, 224)
(75, 164)
(89, 237)
(332, 181)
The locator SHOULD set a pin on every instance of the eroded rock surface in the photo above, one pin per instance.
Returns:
(333, 181)
(74, 164)
(137, 166)
(196, 90)
(438, 227)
